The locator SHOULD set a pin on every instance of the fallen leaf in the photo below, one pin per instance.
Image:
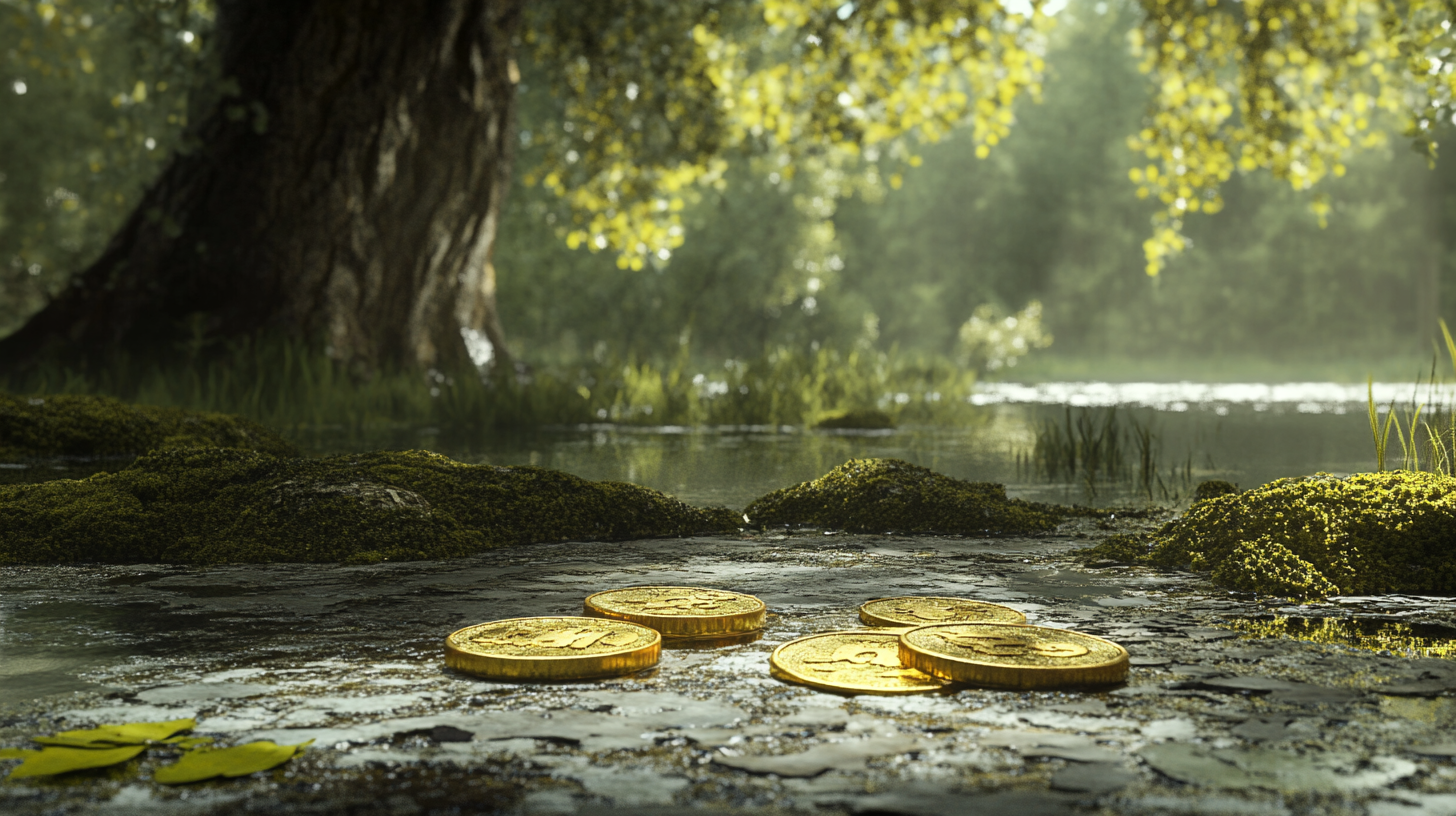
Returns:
(186, 743)
(53, 760)
(239, 760)
(124, 734)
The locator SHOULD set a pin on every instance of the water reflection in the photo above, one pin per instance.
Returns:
(1246, 433)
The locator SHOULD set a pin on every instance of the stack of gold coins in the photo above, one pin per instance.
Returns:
(913, 644)
(684, 615)
(1013, 656)
(924, 644)
(623, 632)
(858, 661)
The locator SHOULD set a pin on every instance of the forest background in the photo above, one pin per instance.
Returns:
(833, 257)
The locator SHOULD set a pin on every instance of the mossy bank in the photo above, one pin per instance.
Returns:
(67, 425)
(1313, 537)
(210, 505)
(890, 495)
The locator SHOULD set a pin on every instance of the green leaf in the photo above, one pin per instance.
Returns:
(186, 743)
(16, 753)
(53, 760)
(124, 734)
(239, 760)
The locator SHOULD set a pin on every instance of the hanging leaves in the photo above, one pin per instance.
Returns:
(654, 94)
(1285, 86)
(239, 760)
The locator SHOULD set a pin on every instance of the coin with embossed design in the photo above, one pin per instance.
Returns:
(1014, 656)
(681, 612)
(553, 648)
(859, 661)
(921, 610)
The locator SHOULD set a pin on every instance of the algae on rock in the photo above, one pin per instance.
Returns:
(79, 425)
(882, 495)
(1315, 536)
(210, 505)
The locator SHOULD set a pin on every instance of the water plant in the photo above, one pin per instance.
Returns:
(1428, 444)
(283, 385)
(1095, 448)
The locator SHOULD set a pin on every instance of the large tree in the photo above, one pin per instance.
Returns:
(344, 179)
(345, 185)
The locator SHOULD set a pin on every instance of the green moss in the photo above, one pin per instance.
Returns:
(210, 505)
(881, 495)
(1123, 549)
(1213, 488)
(74, 425)
(1310, 537)
(870, 420)
(1270, 568)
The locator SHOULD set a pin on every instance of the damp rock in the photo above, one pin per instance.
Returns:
(1274, 769)
(73, 425)
(1312, 537)
(216, 505)
(880, 495)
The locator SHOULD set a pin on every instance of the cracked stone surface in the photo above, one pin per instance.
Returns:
(1210, 722)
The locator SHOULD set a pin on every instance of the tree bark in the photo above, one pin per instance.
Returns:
(347, 194)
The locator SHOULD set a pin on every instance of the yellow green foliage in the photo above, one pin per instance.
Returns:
(1316, 536)
(210, 505)
(1288, 86)
(52, 760)
(109, 745)
(655, 92)
(75, 425)
(889, 495)
(239, 760)
(123, 734)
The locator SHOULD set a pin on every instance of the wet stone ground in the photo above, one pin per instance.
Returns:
(350, 657)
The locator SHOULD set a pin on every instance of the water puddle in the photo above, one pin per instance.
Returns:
(1383, 636)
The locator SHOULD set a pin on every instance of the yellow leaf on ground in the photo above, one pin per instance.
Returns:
(52, 760)
(239, 760)
(123, 734)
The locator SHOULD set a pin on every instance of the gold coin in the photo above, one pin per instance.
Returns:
(920, 610)
(552, 648)
(861, 661)
(680, 611)
(1014, 656)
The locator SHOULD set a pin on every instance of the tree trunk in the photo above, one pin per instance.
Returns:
(347, 194)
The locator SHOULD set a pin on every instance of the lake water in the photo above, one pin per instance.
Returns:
(1246, 433)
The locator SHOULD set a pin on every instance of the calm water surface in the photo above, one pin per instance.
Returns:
(1246, 433)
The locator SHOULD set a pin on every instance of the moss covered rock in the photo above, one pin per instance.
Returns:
(867, 420)
(201, 505)
(882, 495)
(1213, 488)
(1316, 536)
(74, 425)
